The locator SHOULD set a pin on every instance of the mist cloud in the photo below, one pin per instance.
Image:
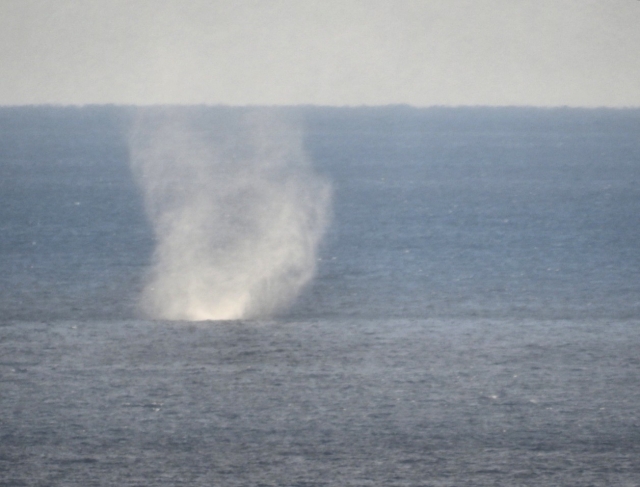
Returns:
(237, 210)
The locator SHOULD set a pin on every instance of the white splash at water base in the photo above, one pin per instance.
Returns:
(237, 209)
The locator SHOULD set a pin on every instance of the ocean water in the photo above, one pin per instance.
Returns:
(474, 318)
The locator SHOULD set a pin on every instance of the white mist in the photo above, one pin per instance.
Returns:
(237, 210)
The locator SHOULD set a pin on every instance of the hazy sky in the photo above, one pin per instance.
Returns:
(328, 52)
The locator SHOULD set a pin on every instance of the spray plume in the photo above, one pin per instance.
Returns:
(237, 210)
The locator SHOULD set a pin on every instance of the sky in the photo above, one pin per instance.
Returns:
(321, 52)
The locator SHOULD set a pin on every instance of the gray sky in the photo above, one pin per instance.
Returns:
(327, 52)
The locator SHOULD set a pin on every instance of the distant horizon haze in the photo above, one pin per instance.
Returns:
(543, 53)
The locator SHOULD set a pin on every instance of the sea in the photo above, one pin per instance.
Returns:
(468, 314)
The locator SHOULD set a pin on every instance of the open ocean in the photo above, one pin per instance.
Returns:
(474, 319)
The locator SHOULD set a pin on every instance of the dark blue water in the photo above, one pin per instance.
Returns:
(475, 318)
(486, 212)
(437, 212)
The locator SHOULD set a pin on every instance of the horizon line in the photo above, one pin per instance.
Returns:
(313, 105)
